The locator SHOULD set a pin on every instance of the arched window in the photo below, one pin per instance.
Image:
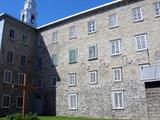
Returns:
(32, 19)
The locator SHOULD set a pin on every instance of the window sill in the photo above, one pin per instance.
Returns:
(114, 27)
(117, 81)
(72, 85)
(137, 21)
(89, 33)
(114, 55)
(95, 83)
(71, 38)
(72, 62)
(55, 42)
(157, 16)
(118, 108)
(5, 107)
(7, 82)
(141, 50)
(73, 109)
(90, 59)
(11, 39)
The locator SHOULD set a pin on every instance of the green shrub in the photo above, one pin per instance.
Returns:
(15, 116)
(31, 116)
(18, 116)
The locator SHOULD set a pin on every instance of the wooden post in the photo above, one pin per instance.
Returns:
(25, 88)
(25, 94)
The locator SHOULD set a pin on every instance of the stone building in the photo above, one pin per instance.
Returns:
(103, 62)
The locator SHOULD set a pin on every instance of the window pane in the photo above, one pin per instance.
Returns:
(91, 27)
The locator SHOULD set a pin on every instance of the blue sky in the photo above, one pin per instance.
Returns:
(50, 10)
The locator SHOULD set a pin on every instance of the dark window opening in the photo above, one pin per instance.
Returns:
(23, 17)
(154, 84)
(32, 19)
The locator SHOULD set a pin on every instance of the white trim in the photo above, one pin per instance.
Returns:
(113, 100)
(76, 101)
(2, 14)
(12, 56)
(72, 32)
(96, 51)
(9, 71)
(6, 95)
(119, 47)
(55, 36)
(91, 24)
(120, 74)
(96, 76)
(39, 87)
(74, 76)
(154, 5)
(12, 29)
(146, 42)
(80, 13)
(19, 78)
(116, 20)
(141, 14)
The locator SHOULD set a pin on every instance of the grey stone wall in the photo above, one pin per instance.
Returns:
(95, 100)
(18, 49)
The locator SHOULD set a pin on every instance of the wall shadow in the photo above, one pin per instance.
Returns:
(44, 98)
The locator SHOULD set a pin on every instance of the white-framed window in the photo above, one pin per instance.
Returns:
(141, 66)
(91, 26)
(73, 101)
(141, 42)
(55, 37)
(116, 47)
(118, 100)
(10, 57)
(72, 32)
(22, 60)
(117, 74)
(53, 80)
(6, 99)
(39, 83)
(113, 21)
(72, 79)
(157, 8)
(55, 60)
(21, 77)
(93, 52)
(19, 102)
(7, 76)
(93, 75)
(24, 38)
(12, 34)
(137, 14)
(73, 53)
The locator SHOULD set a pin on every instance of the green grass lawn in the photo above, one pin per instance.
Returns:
(67, 118)
(71, 118)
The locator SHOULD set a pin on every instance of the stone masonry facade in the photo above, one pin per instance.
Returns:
(84, 97)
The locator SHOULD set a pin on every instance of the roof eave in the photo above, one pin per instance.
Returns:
(80, 13)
